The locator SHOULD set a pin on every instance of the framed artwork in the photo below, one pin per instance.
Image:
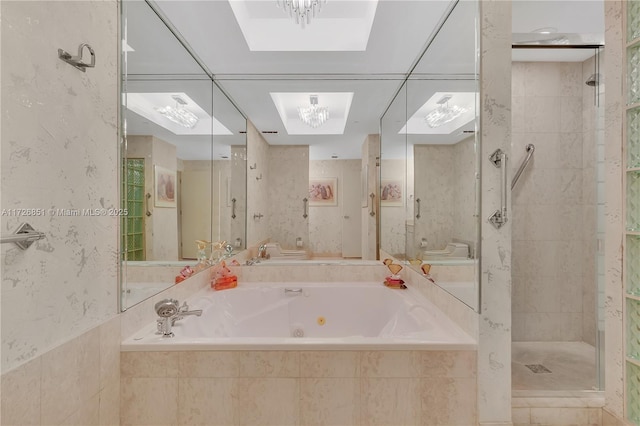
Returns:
(323, 191)
(165, 187)
(364, 187)
(391, 192)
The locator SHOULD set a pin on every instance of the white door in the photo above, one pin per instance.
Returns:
(196, 221)
(351, 214)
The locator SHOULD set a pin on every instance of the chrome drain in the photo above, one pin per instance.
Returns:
(538, 368)
(297, 330)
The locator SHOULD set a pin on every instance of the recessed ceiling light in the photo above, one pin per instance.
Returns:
(147, 105)
(417, 125)
(287, 104)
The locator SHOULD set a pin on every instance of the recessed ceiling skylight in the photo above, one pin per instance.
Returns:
(149, 105)
(338, 105)
(342, 26)
(418, 125)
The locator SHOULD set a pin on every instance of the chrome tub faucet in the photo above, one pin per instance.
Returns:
(170, 311)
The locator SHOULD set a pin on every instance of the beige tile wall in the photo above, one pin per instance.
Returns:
(59, 150)
(76, 383)
(549, 231)
(326, 222)
(287, 186)
(299, 388)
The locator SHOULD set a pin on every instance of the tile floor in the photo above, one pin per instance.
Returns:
(572, 366)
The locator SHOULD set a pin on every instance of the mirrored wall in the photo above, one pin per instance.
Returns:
(183, 159)
(429, 171)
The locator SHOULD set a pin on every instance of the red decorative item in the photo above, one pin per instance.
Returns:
(223, 279)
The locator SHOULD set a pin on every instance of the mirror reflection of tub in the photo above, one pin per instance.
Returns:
(146, 278)
(136, 292)
(457, 276)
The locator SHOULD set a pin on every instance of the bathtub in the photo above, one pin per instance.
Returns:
(281, 261)
(170, 263)
(308, 316)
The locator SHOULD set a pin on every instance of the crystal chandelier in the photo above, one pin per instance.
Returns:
(314, 115)
(444, 113)
(301, 10)
(179, 114)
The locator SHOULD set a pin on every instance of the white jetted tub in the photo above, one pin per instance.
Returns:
(308, 316)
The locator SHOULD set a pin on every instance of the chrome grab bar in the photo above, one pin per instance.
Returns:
(418, 203)
(530, 148)
(305, 207)
(24, 236)
(233, 208)
(147, 203)
(372, 212)
(499, 217)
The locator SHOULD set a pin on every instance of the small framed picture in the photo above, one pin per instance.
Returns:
(391, 193)
(323, 191)
(165, 187)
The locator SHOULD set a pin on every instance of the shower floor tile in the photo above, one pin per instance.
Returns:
(572, 366)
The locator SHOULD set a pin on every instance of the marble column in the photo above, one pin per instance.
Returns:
(494, 347)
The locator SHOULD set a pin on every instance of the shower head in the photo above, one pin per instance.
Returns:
(594, 80)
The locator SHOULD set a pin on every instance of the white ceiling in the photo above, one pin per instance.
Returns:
(399, 33)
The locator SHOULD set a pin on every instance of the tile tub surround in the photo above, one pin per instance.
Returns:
(318, 387)
(76, 383)
(299, 387)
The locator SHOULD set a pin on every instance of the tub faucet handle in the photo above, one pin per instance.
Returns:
(167, 308)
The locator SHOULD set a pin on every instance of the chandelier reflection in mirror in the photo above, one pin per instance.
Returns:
(444, 113)
(314, 115)
(179, 114)
(301, 10)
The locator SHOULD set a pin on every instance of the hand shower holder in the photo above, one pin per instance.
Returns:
(76, 61)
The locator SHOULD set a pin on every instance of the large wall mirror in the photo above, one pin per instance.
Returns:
(183, 162)
(430, 162)
(288, 159)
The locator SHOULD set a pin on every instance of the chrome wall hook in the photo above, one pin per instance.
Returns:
(76, 61)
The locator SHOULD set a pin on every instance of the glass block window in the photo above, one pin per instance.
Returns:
(133, 222)
(632, 265)
(633, 393)
(633, 138)
(633, 201)
(633, 20)
(633, 329)
(633, 74)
